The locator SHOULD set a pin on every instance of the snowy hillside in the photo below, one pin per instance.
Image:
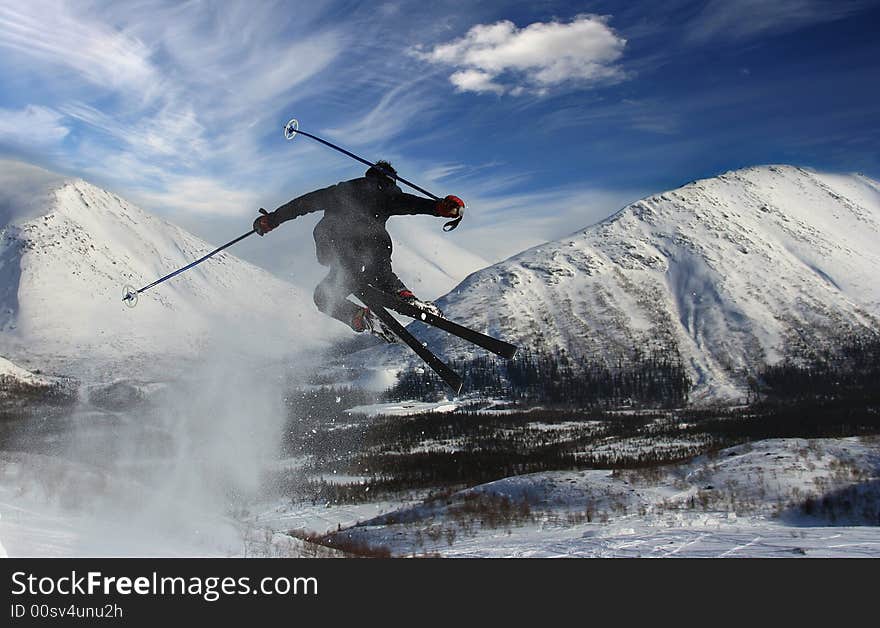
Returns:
(18, 386)
(728, 272)
(62, 275)
(12, 374)
(773, 498)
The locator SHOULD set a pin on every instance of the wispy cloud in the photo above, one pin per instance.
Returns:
(48, 31)
(32, 126)
(743, 19)
(179, 105)
(502, 58)
(171, 132)
(442, 171)
(498, 225)
(649, 115)
(201, 195)
(180, 93)
(393, 112)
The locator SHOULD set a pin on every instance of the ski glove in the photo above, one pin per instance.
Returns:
(450, 207)
(265, 223)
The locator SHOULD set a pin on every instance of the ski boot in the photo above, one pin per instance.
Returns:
(426, 306)
(365, 320)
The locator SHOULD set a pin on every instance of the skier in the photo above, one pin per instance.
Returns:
(352, 240)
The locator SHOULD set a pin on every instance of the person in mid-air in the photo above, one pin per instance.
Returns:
(352, 240)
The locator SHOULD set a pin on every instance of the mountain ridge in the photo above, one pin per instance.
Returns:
(726, 273)
(63, 273)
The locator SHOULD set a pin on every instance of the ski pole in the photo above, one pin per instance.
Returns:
(291, 130)
(129, 294)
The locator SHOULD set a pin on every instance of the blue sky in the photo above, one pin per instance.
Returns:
(544, 116)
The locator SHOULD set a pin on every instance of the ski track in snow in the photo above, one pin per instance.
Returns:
(732, 551)
(686, 544)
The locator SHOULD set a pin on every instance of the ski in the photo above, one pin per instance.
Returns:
(452, 379)
(496, 346)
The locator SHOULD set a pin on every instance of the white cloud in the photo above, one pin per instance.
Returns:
(502, 58)
(167, 97)
(442, 171)
(172, 131)
(393, 112)
(475, 81)
(31, 127)
(200, 195)
(47, 31)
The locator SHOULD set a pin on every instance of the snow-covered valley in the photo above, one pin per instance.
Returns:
(772, 498)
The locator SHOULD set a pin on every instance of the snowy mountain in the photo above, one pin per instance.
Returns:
(428, 260)
(18, 384)
(728, 273)
(62, 273)
(14, 375)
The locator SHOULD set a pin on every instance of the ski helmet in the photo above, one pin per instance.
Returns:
(383, 171)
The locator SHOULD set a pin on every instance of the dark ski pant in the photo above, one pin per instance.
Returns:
(331, 295)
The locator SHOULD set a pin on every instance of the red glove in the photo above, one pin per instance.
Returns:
(450, 207)
(265, 223)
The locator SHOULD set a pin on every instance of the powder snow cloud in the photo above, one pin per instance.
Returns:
(502, 58)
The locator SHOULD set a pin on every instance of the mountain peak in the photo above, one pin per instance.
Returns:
(726, 273)
(62, 276)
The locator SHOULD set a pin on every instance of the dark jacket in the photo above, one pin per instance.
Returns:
(352, 230)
